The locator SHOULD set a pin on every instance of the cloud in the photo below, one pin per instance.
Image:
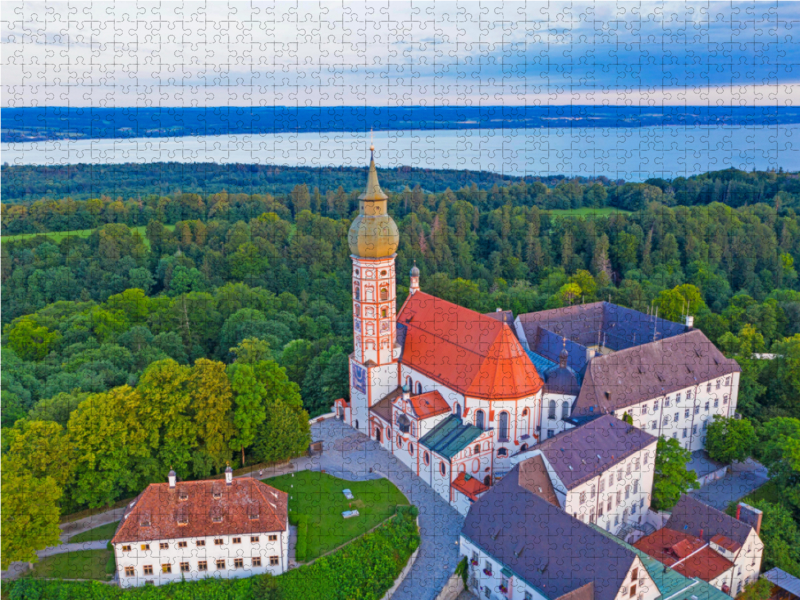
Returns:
(175, 54)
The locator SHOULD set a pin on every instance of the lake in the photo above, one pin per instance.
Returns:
(633, 154)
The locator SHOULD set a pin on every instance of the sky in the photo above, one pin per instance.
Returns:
(399, 53)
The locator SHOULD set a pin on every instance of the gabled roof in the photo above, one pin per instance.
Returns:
(429, 404)
(628, 377)
(582, 453)
(685, 553)
(534, 478)
(383, 408)
(469, 486)
(471, 353)
(725, 542)
(203, 508)
(783, 580)
(700, 520)
(543, 545)
(450, 437)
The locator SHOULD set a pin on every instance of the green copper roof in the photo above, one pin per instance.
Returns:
(450, 437)
(670, 583)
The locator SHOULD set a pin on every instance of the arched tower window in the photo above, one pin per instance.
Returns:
(410, 384)
(503, 432)
(383, 313)
(419, 387)
(357, 292)
(565, 410)
(458, 409)
(384, 294)
(524, 427)
(551, 410)
(479, 419)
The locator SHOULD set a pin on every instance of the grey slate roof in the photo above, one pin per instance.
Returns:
(383, 408)
(560, 380)
(633, 375)
(540, 543)
(694, 517)
(783, 580)
(581, 453)
(602, 322)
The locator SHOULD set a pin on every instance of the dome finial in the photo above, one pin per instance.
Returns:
(371, 145)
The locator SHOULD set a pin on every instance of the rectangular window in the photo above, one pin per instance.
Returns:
(218, 541)
(163, 546)
(147, 569)
(646, 457)
(602, 485)
(636, 486)
(685, 432)
(202, 566)
(591, 517)
(256, 562)
(237, 540)
(666, 402)
(582, 498)
(220, 564)
(633, 591)
(550, 433)
(254, 539)
(705, 425)
(674, 435)
(616, 520)
(272, 538)
(145, 546)
(273, 561)
(200, 542)
(619, 475)
(697, 409)
(727, 381)
(725, 399)
(655, 405)
(716, 402)
(677, 416)
(184, 567)
(644, 409)
(654, 425)
(635, 575)
(686, 414)
(677, 398)
(600, 511)
(130, 571)
(166, 568)
(238, 563)
(694, 429)
(608, 505)
(126, 548)
(688, 395)
(708, 388)
(719, 383)
(182, 544)
(619, 497)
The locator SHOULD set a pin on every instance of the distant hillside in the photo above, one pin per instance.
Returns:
(55, 122)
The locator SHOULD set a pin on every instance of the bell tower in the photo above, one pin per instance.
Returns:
(373, 240)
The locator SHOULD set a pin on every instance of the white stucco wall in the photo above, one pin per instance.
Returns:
(173, 555)
(556, 425)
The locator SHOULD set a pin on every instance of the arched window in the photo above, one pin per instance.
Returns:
(356, 423)
(442, 469)
(427, 458)
(476, 465)
(479, 419)
(413, 429)
(370, 329)
(502, 452)
(419, 387)
(503, 425)
(565, 409)
(383, 313)
(410, 384)
(551, 410)
(524, 425)
(411, 449)
(457, 409)
(523, 447)
(369, 294)
(357, 292)
(399, 441)
(476, 449)
(462, 469)
(389, 434)
(384, 294)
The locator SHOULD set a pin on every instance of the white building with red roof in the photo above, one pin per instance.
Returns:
(195, 529)
(449, 391)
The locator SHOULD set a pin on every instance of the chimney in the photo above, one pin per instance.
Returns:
(171, 477)
(590, 352)
(498, 310)
(228, 475)
(750, 515)
(689, 320)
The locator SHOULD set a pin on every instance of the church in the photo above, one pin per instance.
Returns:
(462, 397)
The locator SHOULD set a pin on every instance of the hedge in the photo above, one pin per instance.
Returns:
(301, 548)
(363, 570)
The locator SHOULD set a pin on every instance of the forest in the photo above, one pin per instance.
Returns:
(201, 323)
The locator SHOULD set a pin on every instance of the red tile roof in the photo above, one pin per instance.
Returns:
(471, 353)
(470, 487)
(670, 547)
(203, 508)
(429, 404)
(726, 542)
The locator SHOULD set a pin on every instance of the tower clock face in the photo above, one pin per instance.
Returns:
(359, 376)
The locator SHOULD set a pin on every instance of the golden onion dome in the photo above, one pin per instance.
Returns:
(373, 233)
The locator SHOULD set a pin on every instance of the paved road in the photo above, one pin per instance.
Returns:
(351, 455)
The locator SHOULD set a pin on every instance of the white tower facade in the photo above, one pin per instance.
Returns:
(373, 240)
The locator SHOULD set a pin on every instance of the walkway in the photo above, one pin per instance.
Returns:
(741, 480)
(350, 455)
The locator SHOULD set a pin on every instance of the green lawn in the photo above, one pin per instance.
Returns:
(582, 212)
(319, 497)
(104, 532)
(769, 492)
(83, 564)
(57, 236)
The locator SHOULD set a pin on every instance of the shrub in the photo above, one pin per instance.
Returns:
(111, 564)
(301, 549)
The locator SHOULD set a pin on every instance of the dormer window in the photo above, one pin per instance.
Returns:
(183, 516)
(183, 496)
(216, 518)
